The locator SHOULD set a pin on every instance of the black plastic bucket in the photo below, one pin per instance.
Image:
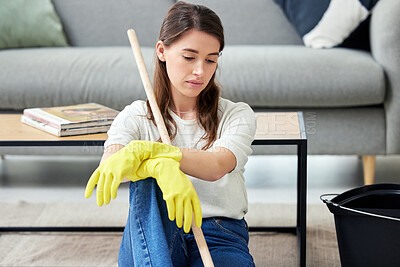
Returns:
(367, 221)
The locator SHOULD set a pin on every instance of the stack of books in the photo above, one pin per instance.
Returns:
(71, 120)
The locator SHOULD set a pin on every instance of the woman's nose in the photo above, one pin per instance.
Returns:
(198, 68)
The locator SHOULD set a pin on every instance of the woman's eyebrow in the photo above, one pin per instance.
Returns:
(195, 51)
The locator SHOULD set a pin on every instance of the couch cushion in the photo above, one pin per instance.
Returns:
(253, 22)
(56, 77)
(327, 23)
(262, 76)
(26, 23)
(296, 76)
(104, 22)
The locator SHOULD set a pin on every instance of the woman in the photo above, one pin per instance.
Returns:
(211, 139)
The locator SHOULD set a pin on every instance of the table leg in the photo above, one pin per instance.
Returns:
(3, 171)
(302, 199)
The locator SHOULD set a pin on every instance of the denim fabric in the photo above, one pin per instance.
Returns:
(151, 239)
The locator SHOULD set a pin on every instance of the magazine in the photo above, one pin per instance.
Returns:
(63, 132)
(75, 116)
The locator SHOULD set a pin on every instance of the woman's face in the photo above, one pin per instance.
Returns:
(191, 62)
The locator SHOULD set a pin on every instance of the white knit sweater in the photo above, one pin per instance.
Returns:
(226, 197)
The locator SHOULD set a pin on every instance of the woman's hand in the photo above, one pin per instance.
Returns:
(178, 192)
(124, 163)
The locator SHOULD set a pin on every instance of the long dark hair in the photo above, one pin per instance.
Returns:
(181, 18)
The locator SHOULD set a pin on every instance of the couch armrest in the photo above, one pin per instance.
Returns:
(385, 48)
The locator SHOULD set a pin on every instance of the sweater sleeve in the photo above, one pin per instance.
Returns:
(126, 126)
(236, 131)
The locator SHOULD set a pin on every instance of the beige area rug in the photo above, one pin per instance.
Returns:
(101, 249)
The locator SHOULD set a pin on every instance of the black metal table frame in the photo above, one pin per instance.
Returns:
(299, 229)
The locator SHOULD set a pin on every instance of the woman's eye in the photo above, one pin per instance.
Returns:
(188, 58)
(211, 61)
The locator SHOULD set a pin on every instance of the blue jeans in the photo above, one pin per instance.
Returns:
(151, 239)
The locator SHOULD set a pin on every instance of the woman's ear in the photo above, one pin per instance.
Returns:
(160, 50)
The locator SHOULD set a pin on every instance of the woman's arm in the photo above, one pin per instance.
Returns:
(207, 165)
(109, 151)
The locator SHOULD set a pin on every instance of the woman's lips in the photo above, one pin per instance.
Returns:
(195, 84)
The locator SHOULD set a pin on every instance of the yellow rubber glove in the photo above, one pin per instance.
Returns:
(124, 163)
(178, 191)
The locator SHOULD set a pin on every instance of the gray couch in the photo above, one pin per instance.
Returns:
(350, 98)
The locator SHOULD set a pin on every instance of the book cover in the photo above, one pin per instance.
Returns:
(66, 132)
(75, 116)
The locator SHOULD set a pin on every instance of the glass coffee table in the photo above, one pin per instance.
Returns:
(273, 128)
(287, 128)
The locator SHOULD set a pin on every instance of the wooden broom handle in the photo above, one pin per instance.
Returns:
(162, 130)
